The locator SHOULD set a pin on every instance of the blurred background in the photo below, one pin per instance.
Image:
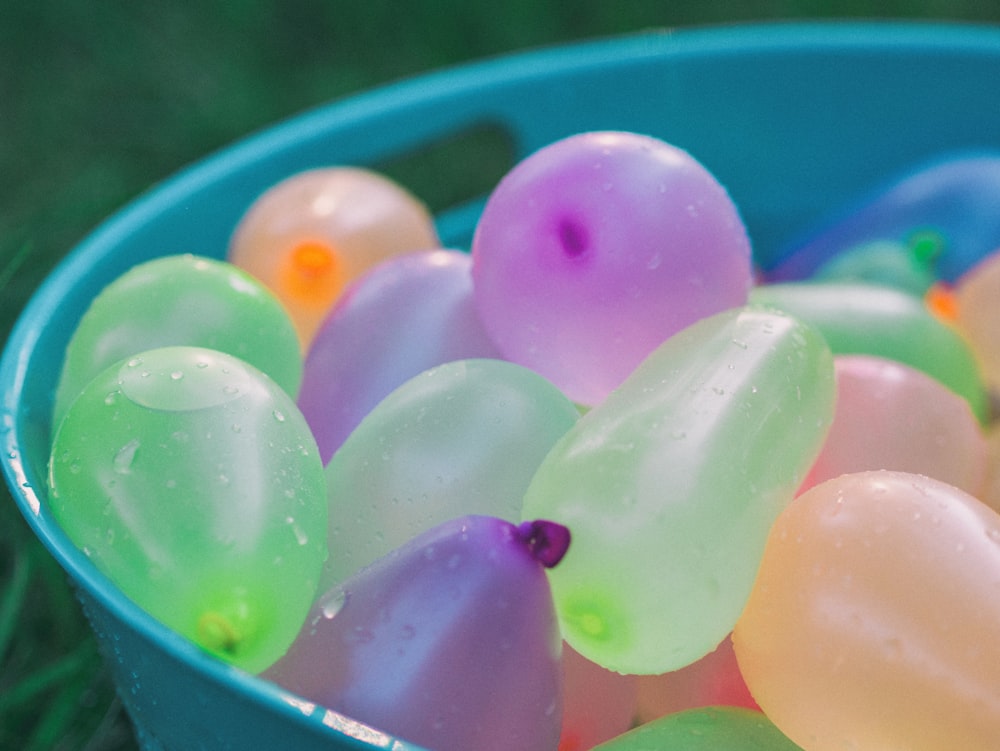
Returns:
(101, 100)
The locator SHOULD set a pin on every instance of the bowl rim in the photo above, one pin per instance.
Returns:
(16, 361)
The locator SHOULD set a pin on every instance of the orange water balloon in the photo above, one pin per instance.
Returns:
(989, 493)
(310, 234)
(977, 298)
(874, 618)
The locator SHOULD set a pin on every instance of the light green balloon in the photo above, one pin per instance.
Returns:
(903, 266)
(670, 487)
(462, 438)
(193, 482)
(181, 300)
(704, 729)
(867, 319)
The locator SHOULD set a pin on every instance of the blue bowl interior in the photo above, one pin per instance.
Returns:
(794, 119)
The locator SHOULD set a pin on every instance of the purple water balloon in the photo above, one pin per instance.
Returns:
(406, 315)
(595, 249)
(450, 641)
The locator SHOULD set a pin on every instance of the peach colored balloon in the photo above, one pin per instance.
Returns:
(310, 234)
(990, 492)
(598, 704)
(893, 416)
(714, 680)
(874, 620)
(977, 298)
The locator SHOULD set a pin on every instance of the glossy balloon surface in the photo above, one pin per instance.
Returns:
(904, 266)
(892, 416)
(191, 480)
(450, 642)
(990, 492)
(704, 729)
(593, 250)
(671, 484)
(873, 620)
(181, 300)
(865, 319)
(410, 313)
(463, 438)
(315, 231)
(977, 308)
(953, 197)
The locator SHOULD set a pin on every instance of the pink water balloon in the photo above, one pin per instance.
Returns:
(892, 416)
(598, 704)
(714, 680)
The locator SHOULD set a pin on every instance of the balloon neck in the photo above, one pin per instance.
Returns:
(218, 634)
(546, 541)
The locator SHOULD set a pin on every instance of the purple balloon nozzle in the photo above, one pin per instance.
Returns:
(546, 540)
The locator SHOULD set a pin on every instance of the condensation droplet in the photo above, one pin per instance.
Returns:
(332, 602)
(123, 460)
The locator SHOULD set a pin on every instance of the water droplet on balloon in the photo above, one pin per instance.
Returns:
(332, 602)
(125, 457)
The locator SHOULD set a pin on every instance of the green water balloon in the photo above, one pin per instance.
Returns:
(866, 319)
(670, 486)
(462, 438)
(181, 300)
(904, 266)
(704, 729)
(192, 481)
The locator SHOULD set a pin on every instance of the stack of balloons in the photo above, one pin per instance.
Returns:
(599, 482)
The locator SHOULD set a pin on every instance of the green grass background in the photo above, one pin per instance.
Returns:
(99, 100)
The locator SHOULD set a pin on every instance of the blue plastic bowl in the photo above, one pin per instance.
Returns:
(793, 119)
